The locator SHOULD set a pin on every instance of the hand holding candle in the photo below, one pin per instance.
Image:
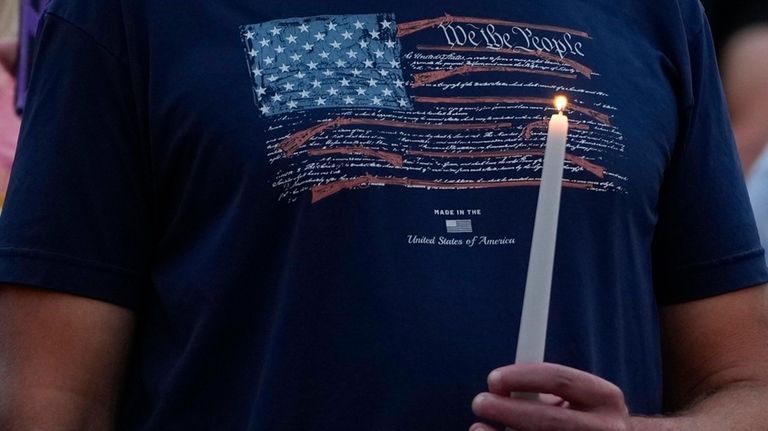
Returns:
(531, 340)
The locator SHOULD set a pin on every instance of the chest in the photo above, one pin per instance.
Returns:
(303, 104)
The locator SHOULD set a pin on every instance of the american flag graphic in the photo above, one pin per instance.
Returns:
(325, 62)
(350, 106)
(458, 226)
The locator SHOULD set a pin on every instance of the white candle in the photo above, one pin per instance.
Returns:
(532, 338)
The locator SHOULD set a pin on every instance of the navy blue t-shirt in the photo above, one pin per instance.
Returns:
(321, 211)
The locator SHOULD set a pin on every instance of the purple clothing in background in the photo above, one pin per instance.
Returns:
(31, 10)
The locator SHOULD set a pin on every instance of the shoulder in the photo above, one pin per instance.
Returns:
(106, 21)
(692, 16)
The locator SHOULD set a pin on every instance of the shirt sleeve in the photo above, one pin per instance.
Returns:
(705, 242)
(75, 219)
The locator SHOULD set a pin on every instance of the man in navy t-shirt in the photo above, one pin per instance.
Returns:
(262, 215)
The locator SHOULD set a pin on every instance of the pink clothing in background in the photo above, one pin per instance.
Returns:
(9, 129)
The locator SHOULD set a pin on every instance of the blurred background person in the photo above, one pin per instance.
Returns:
(745, 74)
(740, 29)
(9, 121)
(9, 28)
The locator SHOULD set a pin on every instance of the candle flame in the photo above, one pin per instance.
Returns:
(561, 102)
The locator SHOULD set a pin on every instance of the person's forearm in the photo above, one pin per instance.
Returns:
(50, 409)
(736, 407)
(61, 360)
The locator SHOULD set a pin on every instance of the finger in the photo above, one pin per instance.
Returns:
(552, 400)
(523, 415)
(479, 426)
(584, 391)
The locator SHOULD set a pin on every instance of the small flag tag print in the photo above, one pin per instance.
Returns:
(458, 226)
